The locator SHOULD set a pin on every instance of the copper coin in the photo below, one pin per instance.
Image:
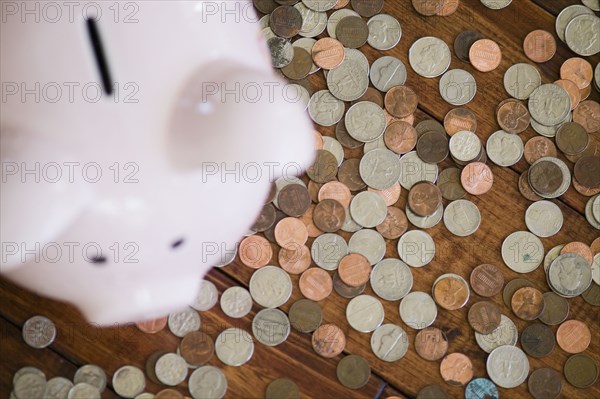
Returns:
(459, 119)
(324, 168)
(485, 55)
(255, 252)
(328, 53)
(556, 309)
(579, 248)
(265, 220)
(293, 200)
(573, 336)
(511, 287)
(367, 8)
(487, 280)
(545, 383)
(329, 215)
(265, 6)
(538, 340)
(572, 90)
(372, 95)
(587, 114)
(571, 138)
(539, 46)
(328, 340)
(583, 190)
(410, 119)
(401, 101)
(587, 171)
(197, 348)
(296, 260)
(318, 140)
(451, 293)
(341, 4)
(463, 43)
(450, 185)
(545, 177)
(344, 289)
(291, 233)
(354, 270)
(585, 93)
(270, 232)
(390, 195)
(593, 149)
(315, 284)
(578, 71)
(285, 21)
(300, 66)
(400, 137)
(394, 225)
(336, 191)
(448, 7)
(152, 326)
(305, 315)
(595, 246)
(349, 174)
(432, 391)
(513, 117)
(539, 147)
(456, 369)
(313, 190)
(527, 303)
(525, 188)
(427, 7)
(432, 147)
(431, 343)
(424, 198)
(352, 32)
(484, 317)
(342, 135)
(168, 394)
(477, 178)
(307, 219)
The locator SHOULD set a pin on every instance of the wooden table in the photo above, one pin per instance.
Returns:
(502, 211)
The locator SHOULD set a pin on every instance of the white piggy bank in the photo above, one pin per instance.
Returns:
(138, 143)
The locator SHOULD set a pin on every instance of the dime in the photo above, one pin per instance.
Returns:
(544, 218)
(236, 302)
(537, 340)
(91, 374)
(429, 57)
(389, 342)
(545, 383)
(465, 146)
(522, 251)
(207, 296)
(234, 346)
(384, 32)
(485, 55)
(353, 372)
(368, 243)
(505, 334)
(573, 336)
(271, 327)
(507, 377)
(527, 303)
(416, 248)
(182, 322)
(30, 385)
(581, 371)
(85, 391)
(539, 46)
(456, 369)
(39, 332)
(387, 72)
(457, 87)
(462, 217)
(391, 279)
(520, 80)
(207, 381)
(431, 343)
(270, 286)
(487, 280)
(364, 313)
(556, 309)
(328, 340)
(282, 388)
(477, 178)
(484, 317)
(171, 369)
(305, 315)
(481, 388)
(418, 310)
(128, 381)
(58, 388)
(315, 284)
(504, 149)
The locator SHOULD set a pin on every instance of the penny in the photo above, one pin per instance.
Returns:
(234, 346)
(345, 290)
(431, 344)
(545, 383)
(128, 381)
(270, 232)
(328, 340)
(592, 295)
(324, 168)
(344, 138)
(595, 246)
(477, 178)
(150, 366)
(527, 303)
(336, 191)
(236, 302)
(354, 270)
(485, 55)
(424, 198)
(539, 147)
(545, 177)
(389, 342)
(573, 336)
(427, 8)
(266, 218)
(400, 137)
(513, 286)
(456, 369)
(451, 293)
(255, 252)
(432, 392)
(513, 116)
(578, 71)
(505, 334)
(265, 6)
(537, 340)
(152, 326)
(352, 32)
(503, 376)
(429, 125)
(39, 332)
(462, 44)
(525, 188)
(353, 372)
(315, 284)
(484, 317)
(197, 348)
(450, 185)
(171, 369)
(571, 138)
(587, 114)
(401, 101)
(571, 89)
(432, 147)
(367, 8)
(295, 260)
(458, 119)
(556, 309)
(282, 388)
(291, 233)
(581, 371)
(579, 248)
(305, 315)
(285, 21)
(329, 215)
(481, 388)
(585, 93)
(372, 95)
(390, 195)
(587, 171)
(168, 393)
(394, 225)
(539, 46)
(448, 7)
(293, 200)
(328, 53)
(487, 280)
(349, 174)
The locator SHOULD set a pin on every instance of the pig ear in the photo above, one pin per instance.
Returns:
(36, 204)
(233, 114)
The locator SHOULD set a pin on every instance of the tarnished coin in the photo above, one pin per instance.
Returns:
(282, 388)
(365, 121)
(271, 327)
(352, 32)
(364, 313)
(266, 218)
(182, 322)
(587, 171)
(270, 286)
(545, 383)
(573, 336)
(538, 340)
(336, 17)
(457, 87)
(456, 369)
(305, 315)
(345, 290)
(424, 198)
(128, 381)
(293, 200)
(505, 334)
(343, 137)
(282, 51)
(329, 215)
(556, 309)
(511, 287)
(485, 55)
(507, 377)
(414, 170)
(546, 177)
(207, 382)
(522, 251)
(418, 310)
(31, 385)
(327, 250)
(236, 302)
(569, 275)
(520, 80)
(234, 346)
(325, 167)
(387, 72)
(349, 174)
(462, 218)
(481, 388)
(527, 303)
(315, 284)
(571, 138)
(389, 342)
(367, 8)
(432, 391)
(394, 225)
(487, 280)
(384, 32)
(429, 56)
(504, 149)
(85, 391)
(380, 169)
(465, 146)
(58, 388)
(484, 317)
(416, 248)
(525, 188)
(544, 218)
(431, 343)
(450, 184)
(285, 21)
(353, 372)
(328, 340)
(39, 332)
(432, 147)
(581, 371)
(391, 279)
(91, 374)
(462, 44)
(171, 369)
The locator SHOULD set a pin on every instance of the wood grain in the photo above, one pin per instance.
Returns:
(502, 211)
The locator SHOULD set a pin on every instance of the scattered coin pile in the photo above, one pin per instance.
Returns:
(305, 217)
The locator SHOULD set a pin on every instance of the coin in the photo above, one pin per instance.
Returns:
(504, 149)
(325, 110)
(462, 44)
(400, 137)
(513, 116)
(345, 290)
(236, 302)
(511, 287)
(556, 309)
(457, 87)
(462, 218)
(484, 317)
(282, 388)
(266, 218)
(465, 146)
(481, 388)
(496, 4)
(527, 303)
(387, 72)
(580, 35)
(182, 322)
(128, 381)
(432, 392)
(431, 343)
(293, 200)
(394, 225)
(401, 101)
(416, 248)
(505, 334)
(587, 171)
(197, 348)
(353, 372)
(572, 90)
(207, 381)
(520, 80)
(451, 291)
(234, 346)
(456, 369)
(291, 233)
(432, 147)
(349, 81)
(485, 55)
(315, 284)
(581, 371)
(477, 178)
(545, 383)
(354, 270)
(305, 315)
(414, 170)
(84, 391)
(587, 114)
(569, 275)
(206, 298)
(150, 366)
(255, 252)
(390, 195)
(522, 251)
(380, 169)
(389, 342)
(58, 388)
(270, 286)
(391, 279)
(592, 295)
(364, 313)
(424, 198)
(328, 340)
(545, 177)
(39, 332)
(344, 138)
(265, 6)
(368, 209)
(329, 215)
(525, 188)
(450, 184)
(573, 336)
(352, 32)
(285, 21)
(313, 24)
(327, 250)
(429, 56)
(91, 374)
(171, 369)
(328, 53)
(507, 377)
(30, 385)
(487, 280)
(418, 310)
(537, 340)
(571, 138)
(544, 218)
(271, 327)
(384, 32)
(549, 104)
(578, 71)
(539, 147)
(539, 46)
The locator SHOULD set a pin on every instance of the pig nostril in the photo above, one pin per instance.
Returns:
(177, 243)
(98, 260)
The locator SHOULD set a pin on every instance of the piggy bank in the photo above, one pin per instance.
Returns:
(139, 141)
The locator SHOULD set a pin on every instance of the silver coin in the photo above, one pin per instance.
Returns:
(271, 327)
(429, 56)
(551, 255)
(458, 87)
(597, 76)
(418, 310)
(333, 146)
(364, 313)
(380, 169)
(566, 15)
(592, 4)
(496, 4)
(389, 342)
(569, 275)
(352, 54)
(374, 145)
(268, 33)
(387, 72)
(350, 226)
(520, 80)
(307, 43)
(171, 369)
(581, 35)
(207, 382)
(465, 146)
(522, 251)
(58, 388)
(282, 51)
(320, 5)
(27, 370)
(39, 332)
(365, 121)
(596, 269)
(544, 218)
(504, 149)
(234, 346)
(236, 302)
(391, 279)
(369, 243)
(182, 322)
(145, 395)
(566, 174)
(368, 208)
(128, 381)
(264, 22)
(589, 215)
(83, 391)
(384, 32)
(207, 296)
(549, 104)
(227, 256)
(91, 374)
(425, 222)
(414, 169)
(327, 250)
(270, 286)
(416, 248)
(324, 109)
(349, 81)
(29, 385)
(462, 218)
(313, 22)
(507, 366)
(335, 19)
(596, 208)
(549, 131)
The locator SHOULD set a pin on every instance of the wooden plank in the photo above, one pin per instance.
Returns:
(554, 7)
